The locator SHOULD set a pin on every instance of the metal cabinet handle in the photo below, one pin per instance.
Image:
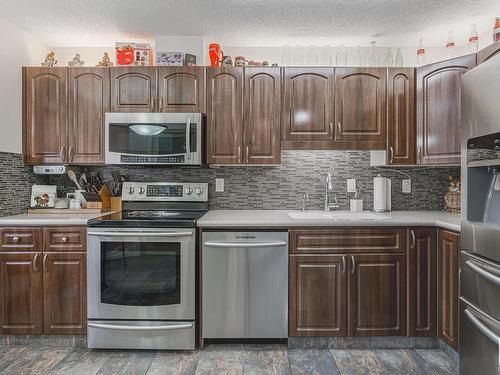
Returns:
(239, 155)
(35, 260)
(71, 153)
(188, 138)
(353, 264)
(343, 263)
(419, 155)
(160, 107)
(413, 239)
(153, 101)
(247, 153)
(391, 153)
(45, 265)
(332, 131)
(64, 239)
(339, 131)
(481, 326)
(62, 153)
(15, 239)
(483, 273)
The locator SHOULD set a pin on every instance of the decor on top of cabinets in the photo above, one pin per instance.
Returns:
(76, 61)
(129, 53)
(169, 58)
(50, 60)
(106, 61)
(452, 196)
(216, 54)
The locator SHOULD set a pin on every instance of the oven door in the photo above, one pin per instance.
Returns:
(141, 274)
(153, 138)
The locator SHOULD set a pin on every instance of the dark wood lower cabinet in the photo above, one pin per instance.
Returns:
(64, 293)
(318, 301)
(448, 280)
(21, 305)
(377, 295)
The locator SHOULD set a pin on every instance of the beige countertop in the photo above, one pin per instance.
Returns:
(282, 219)
(49, 219)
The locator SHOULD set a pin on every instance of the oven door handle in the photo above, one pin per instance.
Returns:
(119, 327)
(140, 234)
(242, 244)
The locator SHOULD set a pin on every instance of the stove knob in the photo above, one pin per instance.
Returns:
(142, 190)
(198, 191)
(188, 191)
(131, 190)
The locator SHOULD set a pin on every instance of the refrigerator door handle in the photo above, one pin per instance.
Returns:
(483, 273)
(481, 327)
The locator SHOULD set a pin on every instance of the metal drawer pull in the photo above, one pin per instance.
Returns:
(64, 239)
(140, 328)
(140, 234)
(35, 268)
(353, 264)
(15, 239)
(480, 326)
(249, 244)
(481, 272)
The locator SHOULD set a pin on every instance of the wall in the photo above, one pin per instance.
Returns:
(281, 187)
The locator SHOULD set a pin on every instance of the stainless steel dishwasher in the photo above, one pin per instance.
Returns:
(245, 285)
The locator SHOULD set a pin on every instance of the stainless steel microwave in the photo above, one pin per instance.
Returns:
(154, 138)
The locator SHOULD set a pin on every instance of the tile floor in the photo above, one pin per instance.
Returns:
(224, 359)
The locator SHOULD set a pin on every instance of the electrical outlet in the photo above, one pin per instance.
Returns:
(219, 185)
(406, 186)
(351, 185)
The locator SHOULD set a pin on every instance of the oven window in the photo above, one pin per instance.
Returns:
(140, 273)
(150, 139)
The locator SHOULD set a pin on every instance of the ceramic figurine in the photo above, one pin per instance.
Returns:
(275, 65)
(227, 61)
(106, 61)
(240, 61)
(265, 63)
(76, 61)
(452, 196)
(50, 60)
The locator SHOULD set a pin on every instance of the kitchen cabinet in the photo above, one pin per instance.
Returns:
(422, 303)
(377, 295)
(360, 108)
(44, 115)
(439, 110)
(401, 116)
(448, 281)
(318, 295)
(133, 89)
(43, 280)
(487, 53)
(243, 108)
(88, 101)
(181, 89)
(308, 108)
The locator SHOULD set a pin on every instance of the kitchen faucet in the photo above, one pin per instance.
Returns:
(329, 188)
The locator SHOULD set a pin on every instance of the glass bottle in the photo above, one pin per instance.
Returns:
(372, 58)
(421, 52)
(473, 40)
(450, 44)
(389, 58)
(399, 58)
(341, 58)
(496, 30)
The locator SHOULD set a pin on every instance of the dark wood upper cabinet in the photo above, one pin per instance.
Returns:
(45, 115)
(377, 295)
(360, 114)
(317, 295)
(448, 281)
(64, 293)
(181, 89)
(133, 89)
(439, 110)
(262, 105)
(308, 108)
(225, 115)
(401, 116)
(88, 101)
(422, 304)
(21, 303)
(487, 53)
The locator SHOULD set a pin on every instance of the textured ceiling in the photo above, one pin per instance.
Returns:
(98, 22)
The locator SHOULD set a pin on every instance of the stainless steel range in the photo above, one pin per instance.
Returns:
(141, 268)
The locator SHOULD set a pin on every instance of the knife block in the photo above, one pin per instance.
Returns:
(105, 203)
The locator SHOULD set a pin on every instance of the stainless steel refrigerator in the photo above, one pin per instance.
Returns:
(480, 231)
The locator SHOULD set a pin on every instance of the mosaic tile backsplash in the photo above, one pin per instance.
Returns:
(281, 187)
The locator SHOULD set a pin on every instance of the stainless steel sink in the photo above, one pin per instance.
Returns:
(336, 216)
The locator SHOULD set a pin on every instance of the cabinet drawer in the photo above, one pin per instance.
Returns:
(352, 240)
(20, 239)
(65, 239)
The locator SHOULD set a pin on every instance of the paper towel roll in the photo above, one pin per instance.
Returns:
(379, 194)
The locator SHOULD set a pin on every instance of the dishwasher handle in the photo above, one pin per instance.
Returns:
(245, 245)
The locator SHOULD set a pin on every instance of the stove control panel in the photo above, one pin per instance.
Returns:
(165, 191)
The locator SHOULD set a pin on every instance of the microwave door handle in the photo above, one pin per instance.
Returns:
(140, 234)
(188, 138)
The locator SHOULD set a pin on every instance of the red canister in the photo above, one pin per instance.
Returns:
(215, 54)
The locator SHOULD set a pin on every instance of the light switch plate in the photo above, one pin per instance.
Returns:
(351, 185)
(219, 185)
(406, 186)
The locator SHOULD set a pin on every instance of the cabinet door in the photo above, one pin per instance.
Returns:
(133, 89)
(487, 53)
(44, 99)
(377, 295)
(181, 89)
(262, 102)
(308, 108)
(225, 115)
(88, 101)
(64, 293)
(401, 116)
(21, 305)
(317, 295)
(422, 304)
(448, 266)
(360, 115)
(439, 110)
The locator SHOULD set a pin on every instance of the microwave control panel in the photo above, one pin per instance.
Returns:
(165, 191)
(130, 159)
